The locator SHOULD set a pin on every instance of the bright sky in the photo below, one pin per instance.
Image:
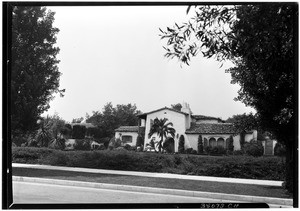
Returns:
(114, 54)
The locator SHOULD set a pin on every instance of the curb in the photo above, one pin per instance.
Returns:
(151, 174)
(222, 196)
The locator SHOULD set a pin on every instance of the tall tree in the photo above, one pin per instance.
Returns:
(177, 106)
(260, 41)
(162, 128)
(113, 117)
(34, 71)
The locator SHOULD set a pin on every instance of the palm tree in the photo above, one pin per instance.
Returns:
(43, 135)
(162, 128)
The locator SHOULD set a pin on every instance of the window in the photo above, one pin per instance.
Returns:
(127, 139)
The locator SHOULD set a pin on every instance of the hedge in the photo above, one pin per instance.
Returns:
(269, 168)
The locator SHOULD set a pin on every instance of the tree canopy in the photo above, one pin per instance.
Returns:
(177, 106)
(260, 40)
(113, 117)
(34, 71)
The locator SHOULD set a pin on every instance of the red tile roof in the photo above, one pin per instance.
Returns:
(171, 109)
(202, 117)
(211, 128)
(127, 129)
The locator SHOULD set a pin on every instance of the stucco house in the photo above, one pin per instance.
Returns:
(187, 126)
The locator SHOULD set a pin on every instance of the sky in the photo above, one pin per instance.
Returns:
(114, 54)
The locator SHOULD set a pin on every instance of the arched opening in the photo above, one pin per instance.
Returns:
(221, 142)
(212, 142)
(169, 145)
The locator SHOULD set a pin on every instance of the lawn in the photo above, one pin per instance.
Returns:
(219, 187)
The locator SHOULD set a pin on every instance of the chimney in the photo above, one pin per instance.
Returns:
(186, 109)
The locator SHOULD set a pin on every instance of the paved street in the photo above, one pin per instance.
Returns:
(26, 192)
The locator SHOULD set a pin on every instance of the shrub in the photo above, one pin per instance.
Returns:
(270, 168)
(242, 139)
(78, 132)
(230, 144)
(216, 150)
(194, 152)
(58, 143)
(81, 144)
(118, 143)
(66, 130)
(21, 139)
(200, 144)
(205, 144)
(101, 147)
(238, 152)
(181, 144)
(168, 145)
(279, 150)
(139, 141)
(111, 142)
(253, 149)
(32, 143)
(127, 147)
(29, 154)
(188, 151)
(105, 141)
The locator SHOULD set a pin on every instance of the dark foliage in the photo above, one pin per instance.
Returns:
(254, 149)
(139, 141)
(200, 145)
(81, 144)
(78, 132)
(217, 150)
(113, 117)
(279, 150)
(261, 41)
(270, 168)
(181, 144)
(34, 71)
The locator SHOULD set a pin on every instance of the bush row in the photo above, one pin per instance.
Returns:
(271, 168)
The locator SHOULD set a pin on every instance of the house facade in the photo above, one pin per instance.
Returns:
(214, 131)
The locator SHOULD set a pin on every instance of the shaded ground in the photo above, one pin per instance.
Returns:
(219, 187)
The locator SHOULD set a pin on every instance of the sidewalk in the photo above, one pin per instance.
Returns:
(157, 175)
(273, 202)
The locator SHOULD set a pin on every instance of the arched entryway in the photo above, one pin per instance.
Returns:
(221, 142)
(169, 145)
(212, 142)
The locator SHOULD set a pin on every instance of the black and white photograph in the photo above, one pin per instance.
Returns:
(150, 105)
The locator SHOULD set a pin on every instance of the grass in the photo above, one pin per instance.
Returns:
(219, 187)
(268, 168)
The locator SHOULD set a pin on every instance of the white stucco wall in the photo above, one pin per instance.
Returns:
(249, 137)
(134, 136)
(236, 142)
(193, 139)
(179, 124)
